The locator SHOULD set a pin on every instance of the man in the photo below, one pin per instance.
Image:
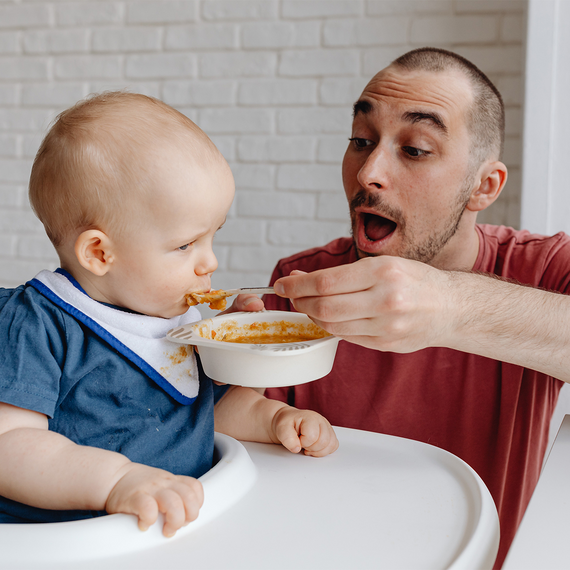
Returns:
(463, 357)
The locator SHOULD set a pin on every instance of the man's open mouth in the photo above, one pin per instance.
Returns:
(377, 227)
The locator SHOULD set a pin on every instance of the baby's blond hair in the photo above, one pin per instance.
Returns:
(92, 160)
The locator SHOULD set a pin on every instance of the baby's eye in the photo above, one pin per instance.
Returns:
(184, 247)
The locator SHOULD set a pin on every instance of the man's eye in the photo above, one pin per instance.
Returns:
(414, 152)
(360, 143)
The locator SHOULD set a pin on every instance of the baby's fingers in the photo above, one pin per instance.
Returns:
(309, 433)
(146, 509)
(193, 497)
(172, 506)
(289, 438)
(325, 444)
(180, 505)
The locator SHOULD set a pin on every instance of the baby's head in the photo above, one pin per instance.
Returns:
(131, 192)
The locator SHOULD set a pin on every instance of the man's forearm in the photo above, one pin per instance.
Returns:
(399, 305)
(510, 322)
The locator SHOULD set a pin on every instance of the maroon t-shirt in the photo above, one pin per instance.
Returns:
(493, 415)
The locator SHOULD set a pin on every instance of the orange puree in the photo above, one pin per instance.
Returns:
(265, 332)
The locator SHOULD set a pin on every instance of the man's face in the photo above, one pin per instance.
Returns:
(406, 171)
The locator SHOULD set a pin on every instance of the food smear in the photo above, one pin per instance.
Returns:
(216, 299)
(264, 332)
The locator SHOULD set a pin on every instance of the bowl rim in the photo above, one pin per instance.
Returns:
(186, 334)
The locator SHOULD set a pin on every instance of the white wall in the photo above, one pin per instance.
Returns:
(545, 186)
(271, 81)
(546, 189)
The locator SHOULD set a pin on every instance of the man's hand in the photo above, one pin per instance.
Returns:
(386, 303)
(304, 430)
(249, 303)
(398, 305)
(145, 491)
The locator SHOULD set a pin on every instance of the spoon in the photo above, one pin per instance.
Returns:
(217, 299)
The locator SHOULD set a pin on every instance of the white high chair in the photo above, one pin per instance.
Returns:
(34, 545)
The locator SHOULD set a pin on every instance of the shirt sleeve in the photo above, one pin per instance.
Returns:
(31, 352)
(219, 391)
(556, 274)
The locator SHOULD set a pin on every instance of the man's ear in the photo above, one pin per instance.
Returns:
(490, 181)
(93, 250)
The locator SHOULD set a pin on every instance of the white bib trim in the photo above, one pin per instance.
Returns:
(139, 338)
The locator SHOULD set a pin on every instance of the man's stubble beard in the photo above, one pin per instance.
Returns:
(426, 251)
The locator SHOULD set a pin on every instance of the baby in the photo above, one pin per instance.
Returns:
(98, 412)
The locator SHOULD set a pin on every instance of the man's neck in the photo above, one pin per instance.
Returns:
(461, 252)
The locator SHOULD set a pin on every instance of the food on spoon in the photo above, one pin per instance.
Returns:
(215, 299)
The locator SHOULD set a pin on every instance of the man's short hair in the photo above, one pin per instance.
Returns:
(487, 116)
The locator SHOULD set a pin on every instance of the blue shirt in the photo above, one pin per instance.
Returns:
(52, 364)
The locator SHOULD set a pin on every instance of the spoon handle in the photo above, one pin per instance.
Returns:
(257, 290)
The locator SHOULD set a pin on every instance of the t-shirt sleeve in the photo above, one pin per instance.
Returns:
(31, 352)
(219, 391)
(556, 274)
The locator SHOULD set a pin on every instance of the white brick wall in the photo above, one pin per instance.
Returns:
(271, 81)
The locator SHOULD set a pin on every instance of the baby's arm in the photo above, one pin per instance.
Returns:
(47, 470)
(245, 414)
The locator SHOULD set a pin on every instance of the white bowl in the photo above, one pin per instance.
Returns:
(258, 365)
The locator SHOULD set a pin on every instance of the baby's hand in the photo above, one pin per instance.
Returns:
(145, 491)
(246, 302)
(304, 430)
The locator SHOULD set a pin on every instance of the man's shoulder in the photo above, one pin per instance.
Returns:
(502, 241)
(503, 235)
(533, 259)
(338, 252)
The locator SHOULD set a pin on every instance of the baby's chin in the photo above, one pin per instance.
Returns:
(164, 313)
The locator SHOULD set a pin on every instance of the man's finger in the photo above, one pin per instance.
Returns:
(357, 276)
(338, 308)
(247, 303)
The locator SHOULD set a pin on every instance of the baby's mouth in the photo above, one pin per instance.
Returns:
(377, 227)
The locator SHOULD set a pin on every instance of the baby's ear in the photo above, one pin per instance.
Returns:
(93, 250)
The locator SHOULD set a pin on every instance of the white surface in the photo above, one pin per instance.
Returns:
(258, 365)
(545, 205)
(545, 200)
(52, 545)
(378, 502)
(542, 538)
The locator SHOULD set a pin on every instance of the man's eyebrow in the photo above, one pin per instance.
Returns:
(363, 107)
(421, 116)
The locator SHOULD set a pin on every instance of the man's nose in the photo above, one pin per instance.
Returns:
(375, 172)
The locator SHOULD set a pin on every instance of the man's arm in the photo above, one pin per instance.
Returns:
(398, 305)
(44, 469)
